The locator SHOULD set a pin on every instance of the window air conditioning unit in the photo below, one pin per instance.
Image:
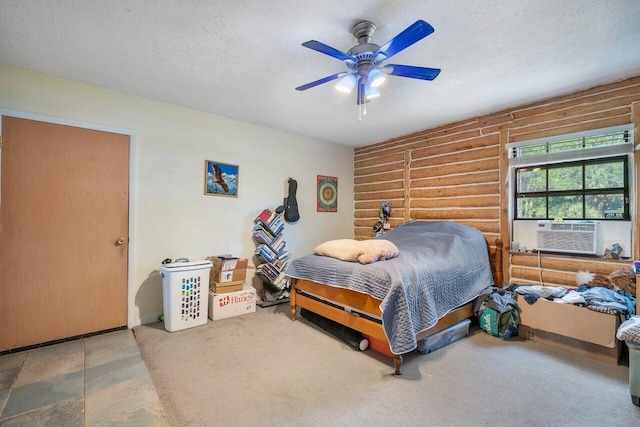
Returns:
(576, 237)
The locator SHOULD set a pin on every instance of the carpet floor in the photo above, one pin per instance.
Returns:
(263, 369)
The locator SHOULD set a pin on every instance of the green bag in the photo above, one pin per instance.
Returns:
(488, 320)
(503, 325)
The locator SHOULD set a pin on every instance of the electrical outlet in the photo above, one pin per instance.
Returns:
(387, 226)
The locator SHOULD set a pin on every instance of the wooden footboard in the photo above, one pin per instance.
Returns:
(361, 312)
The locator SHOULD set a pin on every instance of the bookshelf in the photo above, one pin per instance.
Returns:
(271, 258)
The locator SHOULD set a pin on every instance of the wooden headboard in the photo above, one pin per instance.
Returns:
(495, 259)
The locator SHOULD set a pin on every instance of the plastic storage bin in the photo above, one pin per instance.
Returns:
(185, 294)
(444, 337)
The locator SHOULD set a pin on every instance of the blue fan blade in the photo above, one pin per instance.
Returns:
(323, 80)
(328, 50)
(415, 32)
(412, 72)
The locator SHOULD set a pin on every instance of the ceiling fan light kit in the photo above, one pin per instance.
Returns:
(347, 83)
(364, 61)
(371, 92)
(375, 77)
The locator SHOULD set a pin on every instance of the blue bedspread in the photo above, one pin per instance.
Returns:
(441, 266)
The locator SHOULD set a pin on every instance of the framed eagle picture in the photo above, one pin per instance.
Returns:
(220, 179)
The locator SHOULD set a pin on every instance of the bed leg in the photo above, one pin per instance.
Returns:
(397, 361)
(292, 301)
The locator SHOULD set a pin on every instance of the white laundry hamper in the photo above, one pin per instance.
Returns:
(629, 332)
(185, 294)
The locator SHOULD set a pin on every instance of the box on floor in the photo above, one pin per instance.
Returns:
(227, 274)
(572, 328)
(227, 262)
(222, 306)
(225, 288)
(236, 275)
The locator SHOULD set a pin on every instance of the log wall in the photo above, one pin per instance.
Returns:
(458, 171)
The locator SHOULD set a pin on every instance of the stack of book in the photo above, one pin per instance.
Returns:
(268, 233)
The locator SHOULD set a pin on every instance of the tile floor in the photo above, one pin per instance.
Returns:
(96, 381)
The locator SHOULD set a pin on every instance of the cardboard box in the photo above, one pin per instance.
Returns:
(571, 328)
(222, 306)
(224, 288)
(229, 275)
(227, 262)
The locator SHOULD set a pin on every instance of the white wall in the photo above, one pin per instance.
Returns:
(610, 232)
(170, 215)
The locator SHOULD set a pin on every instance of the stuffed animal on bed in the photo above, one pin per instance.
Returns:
(621, 279)
(362, 251)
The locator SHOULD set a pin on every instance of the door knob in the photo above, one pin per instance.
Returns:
(120, 241)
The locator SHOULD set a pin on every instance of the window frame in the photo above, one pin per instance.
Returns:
(582, 192)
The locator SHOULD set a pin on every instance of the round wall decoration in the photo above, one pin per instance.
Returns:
(327, 193)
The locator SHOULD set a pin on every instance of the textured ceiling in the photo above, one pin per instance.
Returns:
(243, 59)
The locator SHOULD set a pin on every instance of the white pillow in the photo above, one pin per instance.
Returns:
(364, 251)
(377, 250)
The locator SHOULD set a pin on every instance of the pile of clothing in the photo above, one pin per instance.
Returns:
(629, 331)
(498, 313)
(594, 298)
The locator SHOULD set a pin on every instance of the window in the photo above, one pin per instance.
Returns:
(587, 189)
(581, 176)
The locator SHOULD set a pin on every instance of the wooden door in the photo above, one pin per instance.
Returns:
(63, 207)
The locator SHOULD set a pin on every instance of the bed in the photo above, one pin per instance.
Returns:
(441, 268)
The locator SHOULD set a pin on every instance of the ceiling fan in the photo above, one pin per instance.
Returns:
(365, 60)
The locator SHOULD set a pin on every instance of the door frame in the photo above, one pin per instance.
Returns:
(133, 145)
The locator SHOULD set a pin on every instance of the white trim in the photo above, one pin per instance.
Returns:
(601, 131)
(571, 155)
(143, 321)
(625, 149)
(64, 121)
(133, 149)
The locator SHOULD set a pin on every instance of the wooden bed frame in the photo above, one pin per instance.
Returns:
(358, 311)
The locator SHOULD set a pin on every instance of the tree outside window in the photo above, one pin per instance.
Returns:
(587, 189)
